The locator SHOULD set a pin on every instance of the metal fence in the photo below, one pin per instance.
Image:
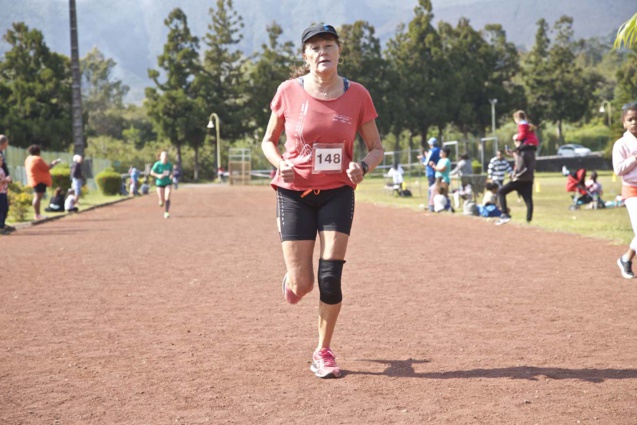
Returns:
(15, 162)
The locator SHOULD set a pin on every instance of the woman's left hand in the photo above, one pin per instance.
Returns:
(355, 172)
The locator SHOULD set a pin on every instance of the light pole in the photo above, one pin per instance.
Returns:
(76, 85)
(602, 109)
(212, 125)
(493, 102)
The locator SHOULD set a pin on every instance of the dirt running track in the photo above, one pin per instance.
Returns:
(117, 316)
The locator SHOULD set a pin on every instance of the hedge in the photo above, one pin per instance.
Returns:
(109, 182)
(61, 178)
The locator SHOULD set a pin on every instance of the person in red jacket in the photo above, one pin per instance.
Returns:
(526, 131)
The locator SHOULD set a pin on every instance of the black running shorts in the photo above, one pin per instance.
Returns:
(301, 217)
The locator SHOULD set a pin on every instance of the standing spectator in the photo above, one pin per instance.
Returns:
(77, 178)
(498, 169)
(133, 172)
(38, 176)
(432, 155)
(162, 171)
(176, 176)
(526, 131)
(625, 166)
(443, 167)
(321, 114)
(4, 198)
(4, 144)
(521, 181)
(463, 167)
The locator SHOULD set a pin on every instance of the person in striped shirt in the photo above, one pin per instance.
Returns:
(499, 168)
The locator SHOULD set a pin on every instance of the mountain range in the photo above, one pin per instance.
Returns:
(132, 32)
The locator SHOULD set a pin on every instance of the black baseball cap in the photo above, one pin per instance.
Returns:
(316, 30)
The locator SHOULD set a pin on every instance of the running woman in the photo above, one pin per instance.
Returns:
(163, 172)
(625, 166)
(321, 114)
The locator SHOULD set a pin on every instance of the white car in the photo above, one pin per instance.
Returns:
(573, 150)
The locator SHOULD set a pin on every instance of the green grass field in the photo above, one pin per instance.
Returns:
(551, 204)
(90, 199)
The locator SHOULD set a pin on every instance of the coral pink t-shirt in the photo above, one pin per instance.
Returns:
(312, 125)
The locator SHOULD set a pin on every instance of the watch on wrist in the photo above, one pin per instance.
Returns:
(364, 166)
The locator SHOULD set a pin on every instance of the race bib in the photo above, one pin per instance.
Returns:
(327, 158)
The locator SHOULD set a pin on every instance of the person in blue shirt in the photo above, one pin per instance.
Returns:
(134, 180)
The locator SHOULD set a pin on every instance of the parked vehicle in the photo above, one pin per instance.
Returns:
(573, 150)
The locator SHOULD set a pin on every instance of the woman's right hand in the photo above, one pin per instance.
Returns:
(286, 170)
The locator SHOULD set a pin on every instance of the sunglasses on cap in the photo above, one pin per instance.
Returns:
(631, 105)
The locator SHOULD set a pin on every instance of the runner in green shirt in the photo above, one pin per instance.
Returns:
(163, 172)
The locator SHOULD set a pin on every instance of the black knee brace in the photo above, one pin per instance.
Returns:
(329, 280)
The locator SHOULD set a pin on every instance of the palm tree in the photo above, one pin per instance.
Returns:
(627, 33)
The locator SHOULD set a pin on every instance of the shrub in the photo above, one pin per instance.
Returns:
(593, 137)
(61, 178)
(109, 182)
(476, 166)
(20, 199)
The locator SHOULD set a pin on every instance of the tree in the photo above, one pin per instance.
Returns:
(559, 90)
(363, 63)
(627, 33)
(222, 82)
(36, 91)
(536, 75)
(418, 60)
(572, 87)
(626, 89)
(271, 68)
(468, 96)
(504, 69)
(396, 88)
(175, 105)
(102, 96)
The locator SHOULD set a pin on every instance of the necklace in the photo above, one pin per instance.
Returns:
(325, 94)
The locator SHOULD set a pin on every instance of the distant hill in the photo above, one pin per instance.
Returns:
(133, 32)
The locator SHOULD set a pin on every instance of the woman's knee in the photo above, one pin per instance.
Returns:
(301, 283)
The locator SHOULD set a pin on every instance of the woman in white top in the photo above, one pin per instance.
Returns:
(625, 166)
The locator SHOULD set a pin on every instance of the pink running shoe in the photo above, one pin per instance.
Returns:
(289, 296)
(324, 364)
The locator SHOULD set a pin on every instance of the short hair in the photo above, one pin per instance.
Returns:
(3, 139)
(490, 186)
(628, 107)
(446, 150)
(34, 150)
(521, 115)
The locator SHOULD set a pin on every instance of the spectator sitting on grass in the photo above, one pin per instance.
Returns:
(57, 202)
(70, 204)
